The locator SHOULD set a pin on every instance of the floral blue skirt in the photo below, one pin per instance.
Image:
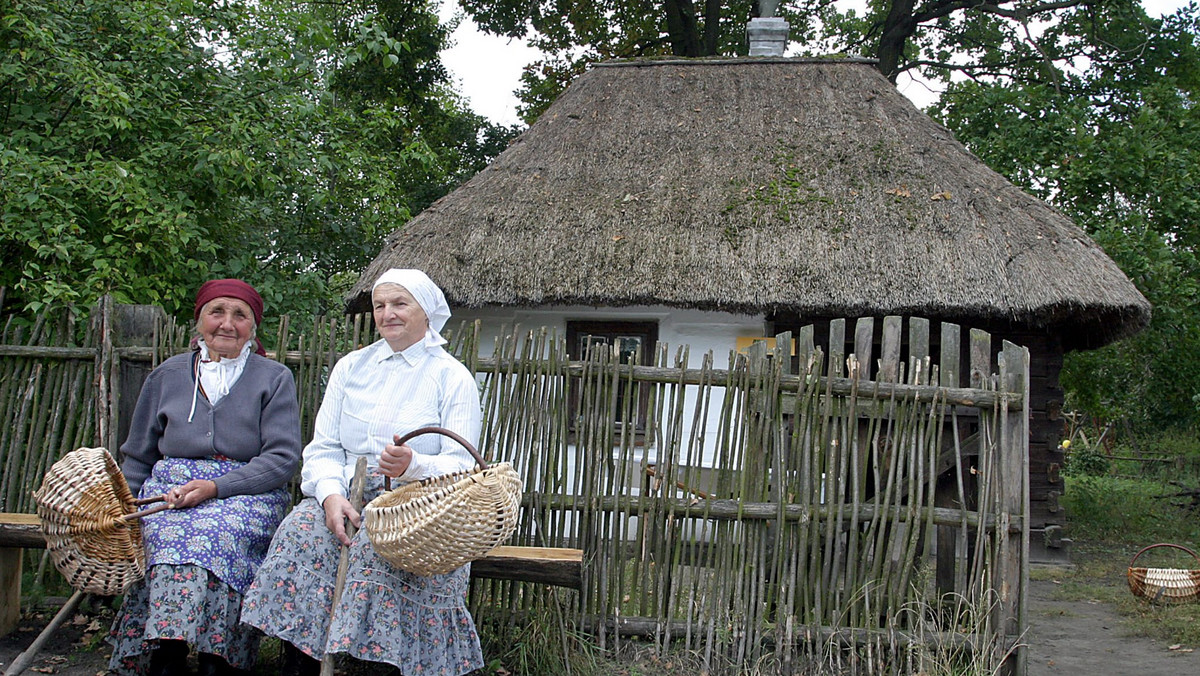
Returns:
(419, 624)
(199, 561)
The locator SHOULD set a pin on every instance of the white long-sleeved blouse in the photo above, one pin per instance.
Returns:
(375, 393)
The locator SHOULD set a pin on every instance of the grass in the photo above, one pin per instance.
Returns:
(1111, 519)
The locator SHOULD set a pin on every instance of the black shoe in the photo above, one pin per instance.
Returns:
(169, 659)
(296, 663)
(214, 665)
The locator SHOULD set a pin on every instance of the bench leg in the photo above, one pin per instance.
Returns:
(10, 588)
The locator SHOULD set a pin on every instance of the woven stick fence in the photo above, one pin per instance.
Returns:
(784, 511)
(759, 516)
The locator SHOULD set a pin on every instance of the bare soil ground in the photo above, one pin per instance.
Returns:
(1065, 637)
(1087, 637)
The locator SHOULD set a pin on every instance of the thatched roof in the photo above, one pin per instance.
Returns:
(758, 186)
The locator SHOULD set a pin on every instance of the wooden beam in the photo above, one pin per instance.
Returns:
(21, 531)
(549, 565)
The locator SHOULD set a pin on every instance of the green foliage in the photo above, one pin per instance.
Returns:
(1169, 443)
(573, 35)
(146, 146)
(1116, 147)
(1126, 511)
(1085, 460)
(541, 644)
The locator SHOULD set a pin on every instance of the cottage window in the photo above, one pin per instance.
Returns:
(634, 343)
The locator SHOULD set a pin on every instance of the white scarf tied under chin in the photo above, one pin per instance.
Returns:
(427, 294)
(217, 377)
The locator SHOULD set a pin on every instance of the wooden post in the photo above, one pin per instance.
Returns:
(103, 364)
(132, 326)
(1012, 571)
(889, 352)
(10, 588)
(864, 335)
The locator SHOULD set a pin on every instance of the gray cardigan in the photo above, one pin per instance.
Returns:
(257, 422)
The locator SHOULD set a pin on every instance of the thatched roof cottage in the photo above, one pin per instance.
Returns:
(721, 198)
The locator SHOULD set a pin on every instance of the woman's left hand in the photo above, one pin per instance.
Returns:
(395, 459)
(191, 494)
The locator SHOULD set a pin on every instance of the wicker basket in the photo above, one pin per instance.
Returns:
(1164, 585)
(436, 525)
(89, 519)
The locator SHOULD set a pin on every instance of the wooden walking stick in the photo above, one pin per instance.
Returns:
(26, 658)
(356, 498)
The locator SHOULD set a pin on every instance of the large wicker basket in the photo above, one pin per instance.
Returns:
(89, 519)
(1164, 585)
(436, 525)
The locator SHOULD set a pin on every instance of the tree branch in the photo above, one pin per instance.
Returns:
(1023, 12)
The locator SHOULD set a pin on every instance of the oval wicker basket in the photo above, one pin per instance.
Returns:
(436, 525)
(89, 518)
(1164, 585)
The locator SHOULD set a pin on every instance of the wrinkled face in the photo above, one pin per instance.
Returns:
(225, 324)
(399, 317)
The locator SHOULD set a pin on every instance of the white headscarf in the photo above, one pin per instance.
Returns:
(427, 294)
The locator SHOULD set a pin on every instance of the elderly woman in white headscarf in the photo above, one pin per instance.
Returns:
(375, 395)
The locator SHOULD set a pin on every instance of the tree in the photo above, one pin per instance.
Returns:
(1116, 147)
(148, 145)
(937, 38)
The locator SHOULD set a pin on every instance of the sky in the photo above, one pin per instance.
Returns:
(487, 69)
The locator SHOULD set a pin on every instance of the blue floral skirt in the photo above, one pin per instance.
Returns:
(199, 561)
(419, 624)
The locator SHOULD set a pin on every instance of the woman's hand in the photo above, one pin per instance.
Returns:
(191, 494)
(337, 510)
(395, 459)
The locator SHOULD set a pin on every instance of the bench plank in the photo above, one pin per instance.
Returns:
(21, 530)
(548, 565)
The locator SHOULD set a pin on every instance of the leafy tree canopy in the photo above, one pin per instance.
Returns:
(1116, 146)
(148, 145)
(935, 38)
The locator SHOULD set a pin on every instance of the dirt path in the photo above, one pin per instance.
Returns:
(1086, 638)
(1079, 638)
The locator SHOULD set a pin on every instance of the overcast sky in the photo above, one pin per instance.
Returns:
(488, 69)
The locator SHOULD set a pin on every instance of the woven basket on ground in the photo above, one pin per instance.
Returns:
(89, 519)
(1164, 585)
(436, 525)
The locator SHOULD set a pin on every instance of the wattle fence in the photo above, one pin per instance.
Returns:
(781, 515)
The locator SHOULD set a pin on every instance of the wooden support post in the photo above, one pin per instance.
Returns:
(837, 348)
(10, 588)
(864, 337)
(133, 326)
(889, 351)
(1012, 567)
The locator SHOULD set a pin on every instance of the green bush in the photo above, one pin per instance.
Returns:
(1131, 511)
(1085, 460)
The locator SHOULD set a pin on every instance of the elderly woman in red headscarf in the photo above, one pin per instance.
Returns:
(216, 430)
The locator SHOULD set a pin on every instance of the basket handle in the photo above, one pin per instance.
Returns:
(387, 481)
(1162, 544)
(147, 512)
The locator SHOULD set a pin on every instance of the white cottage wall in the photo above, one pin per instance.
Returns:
(702, 331)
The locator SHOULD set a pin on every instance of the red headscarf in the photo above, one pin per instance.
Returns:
(232, 288)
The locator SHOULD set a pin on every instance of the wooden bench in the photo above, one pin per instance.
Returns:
(556, 566)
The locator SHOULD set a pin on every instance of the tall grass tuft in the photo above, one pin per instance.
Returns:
(538, 641)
